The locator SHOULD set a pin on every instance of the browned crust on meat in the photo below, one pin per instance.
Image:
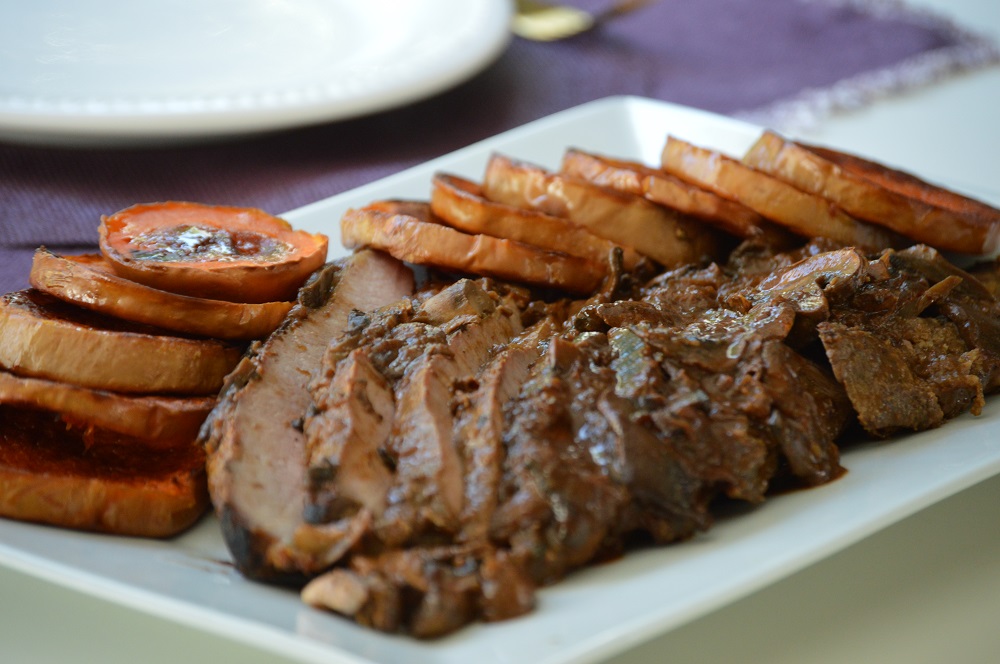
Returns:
(255, 445)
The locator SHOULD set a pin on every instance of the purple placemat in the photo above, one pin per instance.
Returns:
(767, 60)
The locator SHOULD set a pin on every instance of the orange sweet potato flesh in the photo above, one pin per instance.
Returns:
(154, 421)
(211, 251)
(664, 235)
(672, 192)
(460, 203)
(49, 473)
(803, 213)
(407, 231)
(45, 337)
(89, 281)
(868, 190)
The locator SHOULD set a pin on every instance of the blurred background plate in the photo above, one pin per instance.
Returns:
(123, 72)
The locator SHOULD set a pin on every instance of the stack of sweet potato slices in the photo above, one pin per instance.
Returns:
(819, 192)
(105, 382)
(558, 228)
(530, 225)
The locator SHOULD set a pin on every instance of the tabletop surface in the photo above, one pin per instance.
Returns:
(924, 590)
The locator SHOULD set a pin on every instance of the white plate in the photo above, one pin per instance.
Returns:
(116, 71)
(595, 613)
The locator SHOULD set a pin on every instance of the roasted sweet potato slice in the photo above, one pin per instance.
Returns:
(868, 190)
(50, 473)
(411, 235)
(460, 204)
(154, 421)
(802, 213)
(89, 281)
(45, 337)
(661, 187)
(211, 251)
(666, 236)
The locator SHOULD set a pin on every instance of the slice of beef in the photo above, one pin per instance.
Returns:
(683, 295)
(379, 433)
(479, 425)
(351, 418)
(971, 305)
(915, 343)
(557, 503)
(666, 500)
(345, 441)
(425, 592)
(353, 404)
(428, 490)
(883, 389)
(713, 409)
(584, 469)
(938, 355)
(810, 411)
(978, 323)
(256, 449)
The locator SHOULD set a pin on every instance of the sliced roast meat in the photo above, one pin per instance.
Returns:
(713, 409)
(379, 434)
(425, 592)
(503, 462)
(256, 448)
(666, 500)
(978, 323)
(345, 445)
(428, 489)
(884, 391)
(683, 295)
(811, 411)
(915, 343)
(558, 503)
(349, 421)
(972, 306)
(479, 426)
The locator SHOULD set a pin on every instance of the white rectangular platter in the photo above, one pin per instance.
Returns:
(598, 612)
